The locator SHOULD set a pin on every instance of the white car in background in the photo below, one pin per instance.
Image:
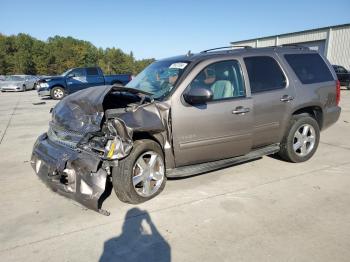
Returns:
(18, 83)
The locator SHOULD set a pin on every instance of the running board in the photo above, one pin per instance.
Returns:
(215, 165)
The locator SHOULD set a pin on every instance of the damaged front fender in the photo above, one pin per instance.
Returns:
(90, 131)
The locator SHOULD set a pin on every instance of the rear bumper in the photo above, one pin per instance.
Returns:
(11, 89)
(330, 116)
(73, 174)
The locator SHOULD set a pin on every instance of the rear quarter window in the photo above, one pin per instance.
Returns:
(309, 68)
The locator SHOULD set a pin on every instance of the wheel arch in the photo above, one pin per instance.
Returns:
(57, 85)
(314, 111)
(147, 135)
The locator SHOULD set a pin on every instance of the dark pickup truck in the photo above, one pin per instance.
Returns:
(343, 75)
(76, 79)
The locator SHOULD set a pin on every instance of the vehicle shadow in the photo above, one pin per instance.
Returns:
(139, 241)
(46, 98)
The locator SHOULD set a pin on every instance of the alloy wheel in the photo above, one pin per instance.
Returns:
(304, 140)
(58, 93)
(148, 174)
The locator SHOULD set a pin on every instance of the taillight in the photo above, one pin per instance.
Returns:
(337, 98)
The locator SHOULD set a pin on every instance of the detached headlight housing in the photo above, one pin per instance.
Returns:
(113, 149)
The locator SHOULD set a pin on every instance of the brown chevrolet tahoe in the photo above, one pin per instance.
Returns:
(187, 115)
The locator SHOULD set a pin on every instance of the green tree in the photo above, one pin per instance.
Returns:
(23, 54)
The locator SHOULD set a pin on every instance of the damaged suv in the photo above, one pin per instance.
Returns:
(187, 115)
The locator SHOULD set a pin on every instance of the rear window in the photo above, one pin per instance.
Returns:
(264, 74)
(309, 68)
(92, 71)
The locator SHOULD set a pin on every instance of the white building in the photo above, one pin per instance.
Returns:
(332, 41)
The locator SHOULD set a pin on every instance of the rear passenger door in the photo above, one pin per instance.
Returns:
(273, 98)
(94, 77)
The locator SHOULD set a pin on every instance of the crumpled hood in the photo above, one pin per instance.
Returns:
(82, 112)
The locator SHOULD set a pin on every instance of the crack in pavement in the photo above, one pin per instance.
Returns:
(9, 122)
(338, 146)
(175, 206)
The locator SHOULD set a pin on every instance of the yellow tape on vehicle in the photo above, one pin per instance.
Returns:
(111, 150)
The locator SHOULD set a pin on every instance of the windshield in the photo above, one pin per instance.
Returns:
(159, 78)
(14, 78)
(67, 72)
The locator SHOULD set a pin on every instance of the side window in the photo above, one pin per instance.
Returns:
(309, 68)
(264, 74)
(92, 71)
(342, 70)
(78, 72)
(224, 79)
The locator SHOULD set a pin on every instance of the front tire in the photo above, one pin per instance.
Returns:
(140, 176)
(301, 139)
(57, 93)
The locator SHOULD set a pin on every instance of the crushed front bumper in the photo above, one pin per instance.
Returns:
(73, 174)
(43, 93)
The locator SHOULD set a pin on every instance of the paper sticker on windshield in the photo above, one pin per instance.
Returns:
(178, 65)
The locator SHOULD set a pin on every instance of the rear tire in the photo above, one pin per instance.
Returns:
(301, 139)
(57, 93)
(135, 185)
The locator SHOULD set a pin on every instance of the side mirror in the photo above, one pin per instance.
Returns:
(70, 75)
(198, 95)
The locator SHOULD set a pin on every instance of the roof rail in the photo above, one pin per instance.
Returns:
(225, 47)
(294, 45)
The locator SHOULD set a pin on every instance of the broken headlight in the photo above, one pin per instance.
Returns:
(114, 149)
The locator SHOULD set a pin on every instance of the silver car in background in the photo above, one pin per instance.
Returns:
(18, 83)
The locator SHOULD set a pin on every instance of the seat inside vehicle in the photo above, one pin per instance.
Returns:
(222, 87)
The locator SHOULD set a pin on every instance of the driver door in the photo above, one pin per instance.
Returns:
(77, 80)
(218, 129)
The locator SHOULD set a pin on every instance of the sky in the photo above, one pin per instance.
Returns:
(162, 28)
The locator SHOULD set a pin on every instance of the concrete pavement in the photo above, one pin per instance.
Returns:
(266, 210)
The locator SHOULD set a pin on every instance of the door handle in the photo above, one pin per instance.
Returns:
(286, 98)
(240, 110)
